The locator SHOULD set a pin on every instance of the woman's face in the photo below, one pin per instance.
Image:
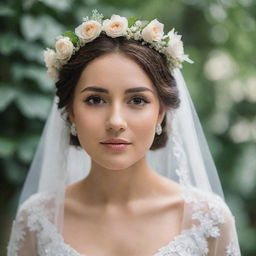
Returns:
(106, 106)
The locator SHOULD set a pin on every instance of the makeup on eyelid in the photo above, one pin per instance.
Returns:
(93, 97)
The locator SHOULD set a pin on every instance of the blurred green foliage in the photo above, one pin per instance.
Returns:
(218, 35)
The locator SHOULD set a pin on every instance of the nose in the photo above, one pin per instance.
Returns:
(116, 120)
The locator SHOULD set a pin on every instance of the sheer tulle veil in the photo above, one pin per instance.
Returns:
(185, 159)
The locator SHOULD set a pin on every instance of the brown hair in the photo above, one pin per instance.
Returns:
(151, 61)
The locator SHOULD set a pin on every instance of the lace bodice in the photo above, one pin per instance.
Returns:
(210, 232)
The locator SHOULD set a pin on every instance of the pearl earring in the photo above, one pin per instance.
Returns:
(73, 129)
(158, 129)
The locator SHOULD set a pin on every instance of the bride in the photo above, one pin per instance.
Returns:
(122, 167)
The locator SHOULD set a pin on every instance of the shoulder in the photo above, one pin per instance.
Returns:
(211, 212)
(206, 200)
(37, 205)
(212, 219)
(40, 199)
(33, 215)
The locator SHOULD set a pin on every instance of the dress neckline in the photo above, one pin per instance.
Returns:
(170, 243)
(192, 239)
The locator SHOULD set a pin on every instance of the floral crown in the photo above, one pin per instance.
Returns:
(150, 33)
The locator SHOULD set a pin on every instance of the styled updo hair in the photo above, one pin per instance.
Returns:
(151, 61)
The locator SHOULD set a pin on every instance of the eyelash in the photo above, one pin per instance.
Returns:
(98, 97)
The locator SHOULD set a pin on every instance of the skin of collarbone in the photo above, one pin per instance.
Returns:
(116, 177)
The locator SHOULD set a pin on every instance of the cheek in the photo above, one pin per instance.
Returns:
(144, 126)
(87, 123)
(82, 113)
(146, 119)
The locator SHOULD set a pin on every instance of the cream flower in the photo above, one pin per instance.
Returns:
(88, 30)
(116, 26)
(53, 73)
(175, 46)
(154, 31)
(50, 58)
(64, 48)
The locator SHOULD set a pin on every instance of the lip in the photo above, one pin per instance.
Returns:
(116, 147)
(115, 141)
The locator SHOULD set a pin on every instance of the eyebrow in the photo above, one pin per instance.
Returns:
(131, 90)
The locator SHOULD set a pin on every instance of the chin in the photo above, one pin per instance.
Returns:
(115, 164)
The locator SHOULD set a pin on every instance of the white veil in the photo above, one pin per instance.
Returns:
(185, 159)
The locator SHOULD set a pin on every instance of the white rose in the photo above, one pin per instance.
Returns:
(154, 31)
(88, 30)
(50, 58)
(64, 48)
(116, 26)
(175, 46)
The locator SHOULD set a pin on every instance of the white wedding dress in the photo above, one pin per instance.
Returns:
(209, 220)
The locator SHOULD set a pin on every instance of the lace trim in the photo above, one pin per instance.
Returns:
(17, 237)
(194, 241)
(232, 250)
(206, 209)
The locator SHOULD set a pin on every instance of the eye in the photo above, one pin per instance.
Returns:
(97, 100)
(139, 99)
(93, 100)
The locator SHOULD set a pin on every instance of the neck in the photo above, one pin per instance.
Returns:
(119, 187)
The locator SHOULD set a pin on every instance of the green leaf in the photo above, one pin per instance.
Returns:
(107, 17)
(131, 21)
(35, 73)
(245, 175)
(7, 147)
(31, 51)
(6, 11)
(31, 27)
(8, 43)
(62, 5)
(41, 27)
(33, 105)
(7, 94)
(72, 36)
(26, 148)
(166, 39)
(14, 173)
(51, 29)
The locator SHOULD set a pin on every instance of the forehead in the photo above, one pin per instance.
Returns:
(114, 71)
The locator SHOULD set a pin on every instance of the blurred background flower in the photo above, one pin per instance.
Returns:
(218, 35)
